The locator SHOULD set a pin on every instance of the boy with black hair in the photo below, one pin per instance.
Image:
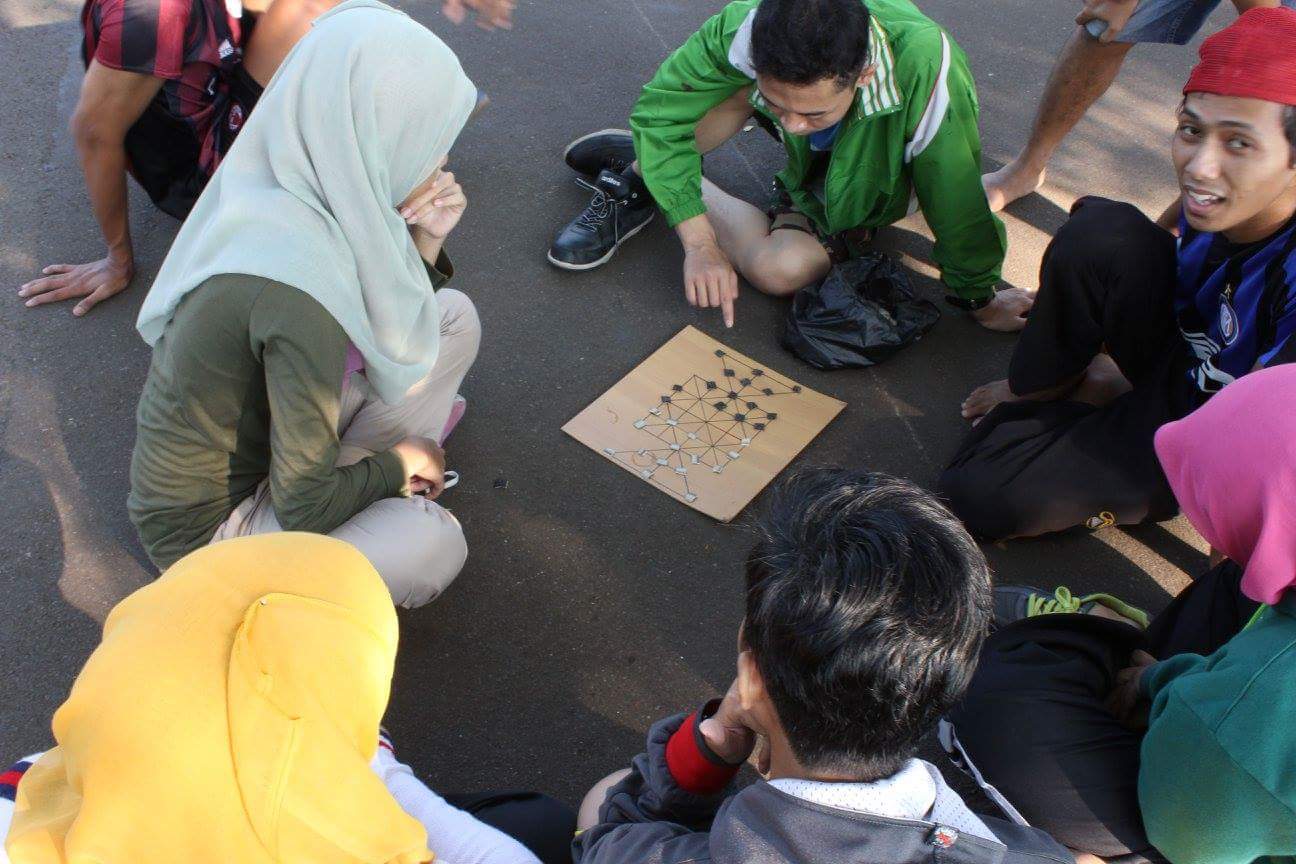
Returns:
(867, 604)
(876, 108)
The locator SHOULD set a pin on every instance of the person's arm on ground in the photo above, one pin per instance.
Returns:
(111, 101)
(454, 835)
(944, 150)
(304, 354)
(672, 791)
(697, 77)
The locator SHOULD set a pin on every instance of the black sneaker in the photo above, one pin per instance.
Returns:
(620, 209)
(605, 150)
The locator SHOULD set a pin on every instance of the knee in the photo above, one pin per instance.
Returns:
(779, 272)
(460, 323)
(416, 545)
(1104, 233)
(975, 500)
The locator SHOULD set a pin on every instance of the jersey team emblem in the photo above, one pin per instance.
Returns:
(1228, 322)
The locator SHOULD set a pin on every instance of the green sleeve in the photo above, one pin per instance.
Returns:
(303, 351)
(944, 150)
(1159, 675)
(442, 271)
(1199, 806)
(693, 80)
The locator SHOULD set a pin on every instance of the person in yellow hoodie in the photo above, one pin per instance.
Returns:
(231, 714)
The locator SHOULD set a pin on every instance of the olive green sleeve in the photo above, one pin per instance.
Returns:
(303, 350)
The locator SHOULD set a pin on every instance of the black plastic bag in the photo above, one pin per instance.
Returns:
(860, 314)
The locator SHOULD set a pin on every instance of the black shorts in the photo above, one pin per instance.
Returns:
(165, 157)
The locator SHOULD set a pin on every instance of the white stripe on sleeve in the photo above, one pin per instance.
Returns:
(937, 106)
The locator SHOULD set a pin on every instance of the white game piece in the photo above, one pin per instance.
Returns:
(690, 497)
(716, 469)
(692, 436)
(746, 441)
(695, 459)
(672, 422)
(675, 446)
(639, 424)
(661, 461)
(681, 470)
(609, 451)
(646, 473)
(733, 454)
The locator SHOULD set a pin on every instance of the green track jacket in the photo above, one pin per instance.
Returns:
(913, 130)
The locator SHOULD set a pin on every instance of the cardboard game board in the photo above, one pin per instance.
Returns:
(703, 423)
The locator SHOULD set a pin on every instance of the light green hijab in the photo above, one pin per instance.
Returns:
(359, 114)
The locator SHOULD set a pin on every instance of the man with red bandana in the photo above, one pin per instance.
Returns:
(168, 86)
(1133, 328)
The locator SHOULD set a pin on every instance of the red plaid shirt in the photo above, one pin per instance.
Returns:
(193, 44)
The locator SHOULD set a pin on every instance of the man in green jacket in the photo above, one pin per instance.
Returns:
(876, 108)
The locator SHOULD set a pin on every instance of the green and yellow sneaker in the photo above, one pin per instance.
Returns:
(1015, 602)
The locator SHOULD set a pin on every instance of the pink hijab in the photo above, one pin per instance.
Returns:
(1232, 465)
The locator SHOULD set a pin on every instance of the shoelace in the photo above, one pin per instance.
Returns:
(599, 209)
(1061, 601)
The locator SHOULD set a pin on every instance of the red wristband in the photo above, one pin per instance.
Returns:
(695, 770)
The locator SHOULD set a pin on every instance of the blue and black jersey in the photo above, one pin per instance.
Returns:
(1236, 304)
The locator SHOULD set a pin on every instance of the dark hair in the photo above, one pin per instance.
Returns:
(805, 41)
(867, 603)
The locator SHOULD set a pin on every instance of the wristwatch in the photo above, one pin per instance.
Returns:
(968, 305)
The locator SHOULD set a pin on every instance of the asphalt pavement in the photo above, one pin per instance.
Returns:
(591, 604)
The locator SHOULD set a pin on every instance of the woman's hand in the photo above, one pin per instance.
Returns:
(435, 208)
(424, 463)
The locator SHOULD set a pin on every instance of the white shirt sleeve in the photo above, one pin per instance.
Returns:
(453, 834)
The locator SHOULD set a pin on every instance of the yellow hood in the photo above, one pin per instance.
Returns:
(229, 715)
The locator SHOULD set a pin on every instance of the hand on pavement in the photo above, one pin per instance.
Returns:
(710, 280)
(424, 463)
(729, 733)
(96, 282)
(1007, 312)
(490, 13)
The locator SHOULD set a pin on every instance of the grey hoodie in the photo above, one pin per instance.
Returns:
(649, 819)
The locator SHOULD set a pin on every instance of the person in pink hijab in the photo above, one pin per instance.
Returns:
(1172, 742)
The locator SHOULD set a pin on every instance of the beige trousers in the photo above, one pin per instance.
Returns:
(416, 545)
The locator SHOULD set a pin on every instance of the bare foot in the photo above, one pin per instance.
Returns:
(1009, 183)
(983, 400)
(1102, 382)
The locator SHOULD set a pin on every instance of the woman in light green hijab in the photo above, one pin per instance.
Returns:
(304, 368)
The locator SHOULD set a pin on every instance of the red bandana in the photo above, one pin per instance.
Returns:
(1254, 57)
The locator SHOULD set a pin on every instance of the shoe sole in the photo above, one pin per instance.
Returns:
(567, 265)
(582, 139)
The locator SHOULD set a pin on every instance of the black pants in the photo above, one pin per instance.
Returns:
(540, 823)
(1106, 284)
(1034, 723)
